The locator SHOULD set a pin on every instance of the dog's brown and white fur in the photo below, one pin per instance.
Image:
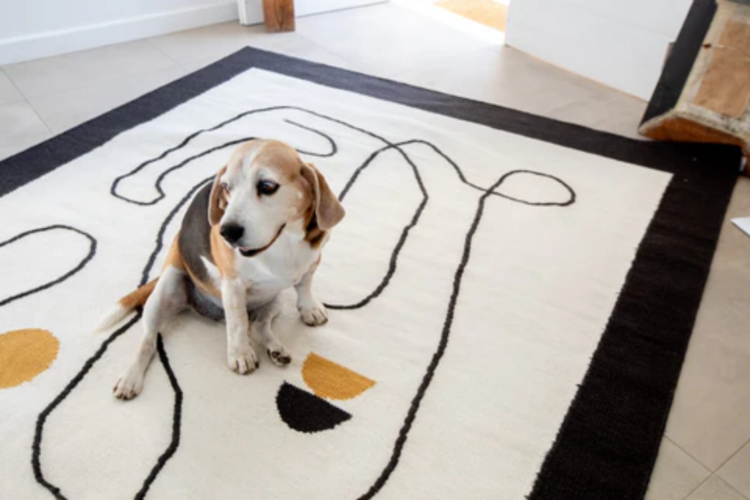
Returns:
(258, 230)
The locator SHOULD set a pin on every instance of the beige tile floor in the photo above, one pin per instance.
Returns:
(706, 449)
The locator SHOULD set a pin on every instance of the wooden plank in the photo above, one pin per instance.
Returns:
(674, 128)
(726, 87)
(278, 15)
(704, 90)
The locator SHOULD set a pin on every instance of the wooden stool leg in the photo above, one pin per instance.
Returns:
(278, 15)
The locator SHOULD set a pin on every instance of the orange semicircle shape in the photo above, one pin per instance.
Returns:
(24, 354)
(331, 380)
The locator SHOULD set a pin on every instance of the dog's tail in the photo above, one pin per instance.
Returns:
(125, 306)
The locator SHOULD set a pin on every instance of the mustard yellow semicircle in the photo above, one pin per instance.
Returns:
(24, 354)
(331, 380)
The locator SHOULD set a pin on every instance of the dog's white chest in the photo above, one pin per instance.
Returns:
(279, 267)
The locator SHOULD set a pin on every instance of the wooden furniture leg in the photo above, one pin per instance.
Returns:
(278, 15)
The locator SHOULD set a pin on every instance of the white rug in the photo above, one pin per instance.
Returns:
(462, 321)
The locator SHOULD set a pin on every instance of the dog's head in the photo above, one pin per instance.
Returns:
(265, 187)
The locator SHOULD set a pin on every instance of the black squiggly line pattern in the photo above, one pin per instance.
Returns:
(78, 267)
(177, 412)
(331, 142)
(437, 356)
(176, 421)
(414, 407)
(36, 447)
(388, 145)
(160, 179)
(392, 264)
(571, 194)
(36, 444)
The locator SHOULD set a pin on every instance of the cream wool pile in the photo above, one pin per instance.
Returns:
(510, 300)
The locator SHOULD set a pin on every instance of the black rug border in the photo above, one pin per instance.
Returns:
(605, 448)
(680, 62)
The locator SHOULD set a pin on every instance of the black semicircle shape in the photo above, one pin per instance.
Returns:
(305, 412)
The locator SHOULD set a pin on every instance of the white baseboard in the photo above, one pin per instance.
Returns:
(251, 11)
(53, 43)
(310, 7)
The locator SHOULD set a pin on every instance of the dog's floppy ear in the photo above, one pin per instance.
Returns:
(328, 208)
(216, 203)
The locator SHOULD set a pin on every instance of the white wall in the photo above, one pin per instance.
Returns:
(622, 44)
(30, 29)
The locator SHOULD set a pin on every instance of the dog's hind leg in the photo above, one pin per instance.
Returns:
(169, 298)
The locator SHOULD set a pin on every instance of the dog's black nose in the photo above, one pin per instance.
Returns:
(232, 232)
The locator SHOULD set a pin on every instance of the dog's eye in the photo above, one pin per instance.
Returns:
(267, 188)
(225, 187)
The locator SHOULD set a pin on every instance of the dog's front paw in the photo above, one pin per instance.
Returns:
(242, 360)
(130, 384)
(313, 313)
(278, 354)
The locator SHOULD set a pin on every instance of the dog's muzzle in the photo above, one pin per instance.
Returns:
(252, 252)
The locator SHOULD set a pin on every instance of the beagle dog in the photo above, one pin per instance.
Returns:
(258, 230)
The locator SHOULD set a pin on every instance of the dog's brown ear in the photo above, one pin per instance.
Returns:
(328, 209)
(217, 203)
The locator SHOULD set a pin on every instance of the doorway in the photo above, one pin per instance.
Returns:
(490, 13)
(485, 19)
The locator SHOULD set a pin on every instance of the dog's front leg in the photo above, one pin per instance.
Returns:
(241, 356)
(313, 311)
(262, 332)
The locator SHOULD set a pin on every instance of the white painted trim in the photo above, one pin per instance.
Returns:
(53, 43)
(309, 7)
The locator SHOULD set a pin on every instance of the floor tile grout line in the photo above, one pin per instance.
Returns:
(54, 131)
(115, 80)
(22, 98)
(725, 462)
(89, 84)
(715, 472)
(41, 119)
(28, 98)
(186, 64)
(736, 452)
(732, 486)
(690, 493)
(708, 469)
(353, 66)
(15, 85)
(150, 41)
